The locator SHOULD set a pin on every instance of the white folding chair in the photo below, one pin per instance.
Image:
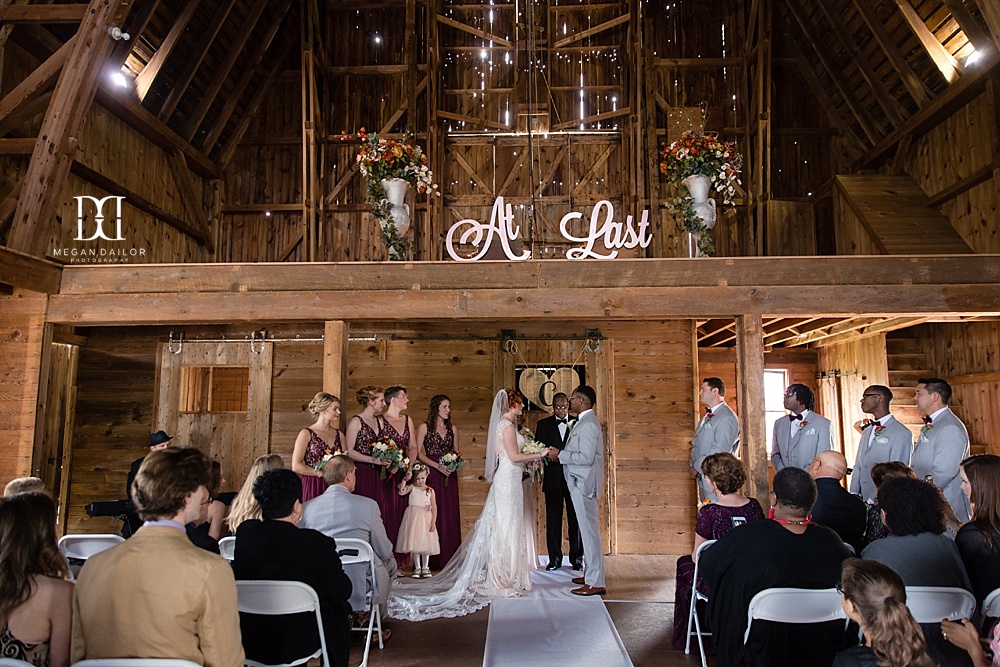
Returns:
(991, 606)
(14, 662)
(227, 547)
(795, 605)
(278, 598)
(929, 604)
(365, 554)
(693, 610)
(135, 662)
(82, 547)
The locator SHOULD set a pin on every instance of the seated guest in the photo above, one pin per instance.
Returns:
(874, 528)
(338, 512)
(984, 652)
(276, 548)
(24, 485)
(873, 596)
(36, 601)
(836, 508)
(157, 595)
(789, 551)
(157, 441)
(244, 505)
(978, 541)
(724, 475)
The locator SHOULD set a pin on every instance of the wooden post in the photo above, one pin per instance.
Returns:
(750, 382)
(604, 387)
(335, 337)
(60, 131)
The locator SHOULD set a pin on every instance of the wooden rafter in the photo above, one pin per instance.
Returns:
(39, 80)
(945, 62)
(191, 197)
(227, 152)
(471, 120)
(590, 32)
(195, 60)
(64, 119)
(138, 20)
(144, 80)
(596, 118)
(73, 13)
(990, 11)
(29, 272)
(884, 326)
(868, 124)
(222, 73)
(979, 37)
(451, 23)
(918, 90)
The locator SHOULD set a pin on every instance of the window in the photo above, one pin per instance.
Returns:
(214, 388)
(775, 382)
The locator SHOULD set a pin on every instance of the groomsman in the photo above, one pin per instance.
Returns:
(717, 432)
(942, 445)
(883, 439)
(552, 431)
(803, 434)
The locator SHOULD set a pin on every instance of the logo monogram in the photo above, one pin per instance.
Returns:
(99, 218)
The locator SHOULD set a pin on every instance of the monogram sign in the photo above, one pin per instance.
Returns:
(99, 218)
(615, 234)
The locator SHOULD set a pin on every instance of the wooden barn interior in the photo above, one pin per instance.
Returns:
(863, 247)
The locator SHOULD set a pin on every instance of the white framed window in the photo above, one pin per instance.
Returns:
(775, 382)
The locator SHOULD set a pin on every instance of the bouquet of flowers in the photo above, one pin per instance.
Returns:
(322, 462)
(532, 446)
(451, 462)
(386, 450)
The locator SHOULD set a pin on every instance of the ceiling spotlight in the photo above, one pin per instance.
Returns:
(973, 57)
(119, 79)
(378, 40)
(267, 214)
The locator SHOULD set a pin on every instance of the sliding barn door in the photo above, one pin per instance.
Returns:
(217, 397)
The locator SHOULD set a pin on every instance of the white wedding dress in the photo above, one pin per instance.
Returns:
(493, 561)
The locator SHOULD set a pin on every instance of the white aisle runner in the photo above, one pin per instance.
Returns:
(552, 631)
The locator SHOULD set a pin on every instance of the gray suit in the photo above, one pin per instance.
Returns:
(800, 449)
(719, 434)
(339, 513)
(938, 453)
(583, 467)
(893, 443)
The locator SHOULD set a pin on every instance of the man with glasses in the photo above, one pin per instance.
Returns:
(883, 439)
(803, 434)
(553, 432)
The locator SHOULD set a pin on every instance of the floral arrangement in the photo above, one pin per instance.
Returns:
(381, 159)
(705, 154)
(322, 462)
(451, 462)
(532, 446)
(386, 450)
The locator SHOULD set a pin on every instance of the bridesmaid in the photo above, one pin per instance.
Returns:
(363, 430)
(437, 436)
(316, 441)
(398, 428)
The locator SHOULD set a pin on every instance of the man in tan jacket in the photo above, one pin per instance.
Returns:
(157, 595)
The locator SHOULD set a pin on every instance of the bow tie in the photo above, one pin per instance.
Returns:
(560, 421)
(708, 410)
(928, 420)
(792, 418)
(875, 423)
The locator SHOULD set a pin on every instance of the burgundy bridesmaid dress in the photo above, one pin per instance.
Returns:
(315, 451)
(370, 483)
(449, 523)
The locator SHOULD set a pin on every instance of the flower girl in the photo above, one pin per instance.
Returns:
(418, 534)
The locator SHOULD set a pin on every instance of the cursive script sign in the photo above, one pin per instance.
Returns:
(616, 235)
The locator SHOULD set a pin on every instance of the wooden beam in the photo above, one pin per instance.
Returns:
(290, 248)
(27, 272)
(917, 89)
(243, 209)
(598, 163)
(70, 13)
(194, 61)
(590, 32)
(596, 118)
(191, 196)
(945, 62)
(145, 79)
(342, 183)
(512, 174)
(877, 328)
(697, 63)
(63, 123)
(557, 162)
(39, 80)
(457, 156)
(227, 152)
(980, 38)
(335, 358)
(471, 120)
(444, 20)
(963, 185)
(750, 388)
(990, 12)
(221, 74)
(138, 201)
(18, 146)
(137, 22)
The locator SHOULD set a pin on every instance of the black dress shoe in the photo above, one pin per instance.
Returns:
(553, 565)
(578, 565)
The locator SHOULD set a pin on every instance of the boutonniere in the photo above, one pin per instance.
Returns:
(709, 415)
(569, 426)
(926, 428)
(802, 424)
(879, 429)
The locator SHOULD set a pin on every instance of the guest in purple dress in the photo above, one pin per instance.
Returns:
(436, 437)
(725, 475)
(316, 441)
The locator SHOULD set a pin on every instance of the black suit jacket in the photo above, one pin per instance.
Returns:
(279, 550)
(844, 512)
(133, 471)
(547, 433)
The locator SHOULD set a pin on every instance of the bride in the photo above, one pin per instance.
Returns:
(494, 559)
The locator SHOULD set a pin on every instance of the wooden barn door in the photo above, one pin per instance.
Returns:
(217, 397)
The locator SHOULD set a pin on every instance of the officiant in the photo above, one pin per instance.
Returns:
(553, 432)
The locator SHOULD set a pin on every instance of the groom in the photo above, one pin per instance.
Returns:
(583, 465)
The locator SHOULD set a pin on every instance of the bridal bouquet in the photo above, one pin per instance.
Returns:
(386, 450)
(451, 462)
(532, 446)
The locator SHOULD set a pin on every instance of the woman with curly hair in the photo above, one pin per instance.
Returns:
(36, 601)
(873, 596)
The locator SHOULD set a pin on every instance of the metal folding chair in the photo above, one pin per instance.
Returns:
(795, 605)
(278, 598)
(354, 551)
(693, 611)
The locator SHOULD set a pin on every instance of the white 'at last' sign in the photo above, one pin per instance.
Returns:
(615, 234)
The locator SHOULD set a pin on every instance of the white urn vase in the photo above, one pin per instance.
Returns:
(698, 186)
(395, 192)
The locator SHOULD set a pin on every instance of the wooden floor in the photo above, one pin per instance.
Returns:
(640, 602)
